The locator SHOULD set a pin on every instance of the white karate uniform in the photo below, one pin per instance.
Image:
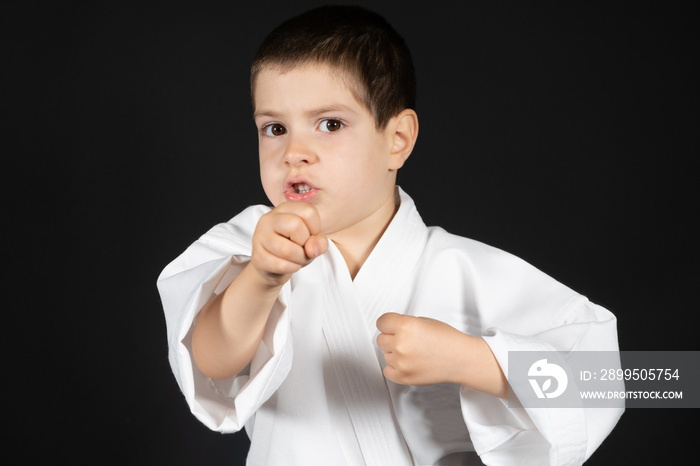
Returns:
(314, 393)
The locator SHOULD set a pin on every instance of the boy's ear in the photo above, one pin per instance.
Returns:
(404, 131)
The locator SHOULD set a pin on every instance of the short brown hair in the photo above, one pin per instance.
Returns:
(358, 41)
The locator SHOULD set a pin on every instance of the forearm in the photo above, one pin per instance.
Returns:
(229, 329)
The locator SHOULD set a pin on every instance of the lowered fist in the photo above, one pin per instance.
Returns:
(419, 350)
(423, 351)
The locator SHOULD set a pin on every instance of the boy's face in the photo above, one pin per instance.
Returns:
(319, 145)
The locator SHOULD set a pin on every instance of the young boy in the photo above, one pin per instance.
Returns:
(338, 328)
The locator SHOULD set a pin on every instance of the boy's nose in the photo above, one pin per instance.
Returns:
(297, 152)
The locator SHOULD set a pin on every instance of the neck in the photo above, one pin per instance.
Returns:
(357, 243)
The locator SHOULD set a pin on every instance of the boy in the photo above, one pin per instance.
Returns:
(336, 327)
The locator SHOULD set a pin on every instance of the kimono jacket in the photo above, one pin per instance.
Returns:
(314, 393)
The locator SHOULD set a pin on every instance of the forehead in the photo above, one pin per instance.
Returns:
(310, 82)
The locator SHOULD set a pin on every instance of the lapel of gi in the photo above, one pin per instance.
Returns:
(388, 271)
(351, 343)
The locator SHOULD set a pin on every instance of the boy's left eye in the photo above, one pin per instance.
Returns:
(330, 125)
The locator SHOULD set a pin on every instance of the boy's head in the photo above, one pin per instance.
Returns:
(374, 60)
(333, 91)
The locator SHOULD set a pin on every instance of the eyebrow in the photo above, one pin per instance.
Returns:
(333, 108)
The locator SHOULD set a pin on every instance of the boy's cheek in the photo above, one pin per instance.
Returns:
(271, 188)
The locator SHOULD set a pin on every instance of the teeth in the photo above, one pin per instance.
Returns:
(302, 188)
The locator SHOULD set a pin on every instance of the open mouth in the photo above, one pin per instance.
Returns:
(301, 188)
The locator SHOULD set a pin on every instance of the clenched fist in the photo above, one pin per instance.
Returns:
(286, 239)
(418, 350)
(423, 351)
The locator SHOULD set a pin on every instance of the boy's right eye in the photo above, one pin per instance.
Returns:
(274, 129)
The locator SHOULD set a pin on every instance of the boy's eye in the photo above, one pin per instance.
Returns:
(274, 129)
(330, 125)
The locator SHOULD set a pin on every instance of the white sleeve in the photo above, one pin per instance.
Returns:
(204, 270)
(504, 435)
(525, 310)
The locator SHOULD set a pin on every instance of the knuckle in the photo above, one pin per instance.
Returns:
(409, 323)
(388, 321)
(399, 348)
(307, 209)
(409, 328)
(396, 376)
(403, 347)
(391, 374)
(295, 221)
(284, 248)
(296, 227)
(387, 372)
(403, 366)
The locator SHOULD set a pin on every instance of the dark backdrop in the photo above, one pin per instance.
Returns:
(561, 133)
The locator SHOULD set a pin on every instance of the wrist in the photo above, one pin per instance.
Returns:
(264, 283)
(479, 368)
(465, 364)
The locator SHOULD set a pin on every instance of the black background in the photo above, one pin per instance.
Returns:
(561, 133)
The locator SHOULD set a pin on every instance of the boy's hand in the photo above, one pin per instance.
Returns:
(286, 239)
(423, 351)
(419, 350)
